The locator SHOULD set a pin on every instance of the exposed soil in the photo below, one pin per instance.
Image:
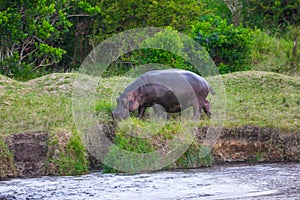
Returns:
(239, 144)
(29, 153)
(256, 144)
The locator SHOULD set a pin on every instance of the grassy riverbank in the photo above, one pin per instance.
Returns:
(254, 98)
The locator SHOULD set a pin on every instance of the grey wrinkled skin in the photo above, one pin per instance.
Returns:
(173, 89)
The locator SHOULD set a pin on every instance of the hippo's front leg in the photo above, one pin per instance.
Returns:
(160, 111)
(141, 111)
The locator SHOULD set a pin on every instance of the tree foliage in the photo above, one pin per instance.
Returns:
(32, 32)
(118, 16)
(273, 15)
(48, 35)
(44, 36)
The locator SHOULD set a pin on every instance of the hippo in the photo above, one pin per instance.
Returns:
(172, 89)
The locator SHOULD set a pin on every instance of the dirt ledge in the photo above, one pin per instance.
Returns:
(256, 144)
(238, 144)
(29, 152)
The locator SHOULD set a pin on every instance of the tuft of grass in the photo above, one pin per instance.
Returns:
(67, 155)
(133, 161)
(138, 150)
(7, 168)
(169, 146)
(196, 156)
(256, 158)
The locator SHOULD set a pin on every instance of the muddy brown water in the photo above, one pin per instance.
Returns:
(262, 181)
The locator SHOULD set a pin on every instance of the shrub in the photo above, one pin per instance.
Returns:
(166, 48)
(228, 46)
(13, 69)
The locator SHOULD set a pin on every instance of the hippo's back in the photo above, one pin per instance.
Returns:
(177, 80)
(167, 73)
(174, 78)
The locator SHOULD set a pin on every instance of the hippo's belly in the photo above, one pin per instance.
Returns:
(173, 107)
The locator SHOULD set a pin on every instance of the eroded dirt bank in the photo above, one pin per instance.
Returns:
(27, 154)
(257, 144)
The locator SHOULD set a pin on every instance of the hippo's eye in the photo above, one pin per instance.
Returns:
(124, 102)
(130, 103)
(118, 99)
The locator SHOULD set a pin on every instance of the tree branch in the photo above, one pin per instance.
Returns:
(79, 15)
(25, 44)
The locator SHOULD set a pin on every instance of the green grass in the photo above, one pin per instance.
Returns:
(264, 99)
(40, 104)
(257, 98)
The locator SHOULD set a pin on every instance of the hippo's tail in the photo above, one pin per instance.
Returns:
(211, 90)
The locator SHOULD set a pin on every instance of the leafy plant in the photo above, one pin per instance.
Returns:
(168, 48)
(129, 162)
(195, 156)
(228, 46)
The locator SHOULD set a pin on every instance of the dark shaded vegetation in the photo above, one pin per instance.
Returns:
(41, 37)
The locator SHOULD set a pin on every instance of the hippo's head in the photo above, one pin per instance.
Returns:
(126, 103)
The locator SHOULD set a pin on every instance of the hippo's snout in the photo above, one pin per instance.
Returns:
(119, 115)
(115, 115)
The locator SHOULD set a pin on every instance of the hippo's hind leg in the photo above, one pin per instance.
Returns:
(206, 108)
(197, 111)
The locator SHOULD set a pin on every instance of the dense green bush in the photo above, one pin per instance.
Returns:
(228, 46)
(168, 49)
(270, 53)
(11, 67)
(119, 16)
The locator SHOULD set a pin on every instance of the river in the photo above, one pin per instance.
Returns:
(262, 181)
